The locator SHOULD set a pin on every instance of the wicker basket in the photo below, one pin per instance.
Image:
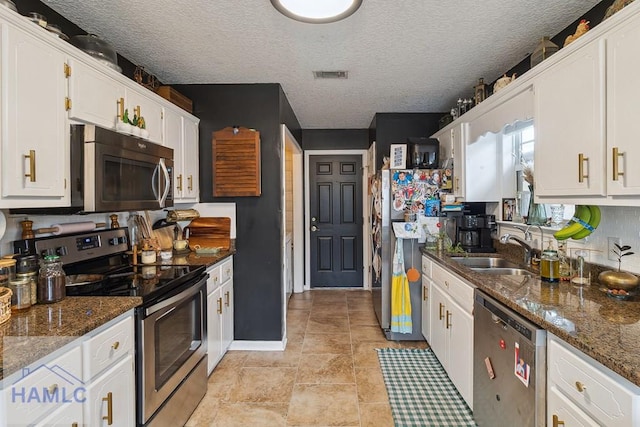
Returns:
(5, 304)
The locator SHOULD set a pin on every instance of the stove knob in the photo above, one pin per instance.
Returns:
(61, 250)
(113, 241)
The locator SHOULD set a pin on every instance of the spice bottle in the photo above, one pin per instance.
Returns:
(51, 280)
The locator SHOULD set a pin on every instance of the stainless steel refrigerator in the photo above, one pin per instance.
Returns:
(400, 195)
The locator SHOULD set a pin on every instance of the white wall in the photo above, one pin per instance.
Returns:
(622, 222)
(14, 230)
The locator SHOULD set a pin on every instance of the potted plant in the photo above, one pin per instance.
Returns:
(620, 280)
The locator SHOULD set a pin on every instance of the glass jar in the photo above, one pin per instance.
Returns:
(32, 277)
(21, 297)
(550, 266)
(544, 49)
(7, 271)
(134, 230)
(51, 280)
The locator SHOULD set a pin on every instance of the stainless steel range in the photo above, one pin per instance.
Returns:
(171, 363)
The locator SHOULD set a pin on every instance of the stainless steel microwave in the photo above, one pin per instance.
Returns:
(112, 172)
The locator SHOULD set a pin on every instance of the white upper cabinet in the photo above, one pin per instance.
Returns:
(586, 114)
(452, 148)
(46, 84)
(570, 125)
(191, 159)
(94, 97)
(181, 134)
(475, 164)
(623, 111)
(35, 139)
(140, 104)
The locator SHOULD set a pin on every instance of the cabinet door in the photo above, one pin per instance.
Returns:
(191, 160)
(459, 325)
(425, 326)
(439, 335)
(214, 329)
(451, 148)
(67, 415)
(562, 412)
(569, 125)
(136, 100)
(173, 139)
(481, 166)
(623, 90)
(35, 146)
(227, 314)
(111, 397)
(95, 97)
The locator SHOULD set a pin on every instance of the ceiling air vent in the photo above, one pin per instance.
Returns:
(331, 74)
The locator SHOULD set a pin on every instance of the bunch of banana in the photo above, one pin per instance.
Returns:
(586, 219)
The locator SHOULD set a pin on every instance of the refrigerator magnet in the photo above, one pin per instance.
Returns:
(521, 368)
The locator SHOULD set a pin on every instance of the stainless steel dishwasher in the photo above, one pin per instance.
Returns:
(509, 367)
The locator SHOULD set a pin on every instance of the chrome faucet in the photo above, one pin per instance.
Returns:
(527, 232)
(528, 250)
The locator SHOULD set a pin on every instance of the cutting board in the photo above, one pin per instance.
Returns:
(209, 232)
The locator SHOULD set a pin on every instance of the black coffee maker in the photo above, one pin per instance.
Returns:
(473, 232)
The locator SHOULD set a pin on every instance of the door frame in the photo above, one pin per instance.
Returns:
(366, 261)
(288, 140)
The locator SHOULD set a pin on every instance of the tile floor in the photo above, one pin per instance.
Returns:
(328, 375)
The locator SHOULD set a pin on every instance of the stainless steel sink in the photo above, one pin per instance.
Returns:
(481, 263)
(505, 271)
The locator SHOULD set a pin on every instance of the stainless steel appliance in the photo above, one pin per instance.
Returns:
(112, 172)
(398, 192)
(509, 367)
(171, 363)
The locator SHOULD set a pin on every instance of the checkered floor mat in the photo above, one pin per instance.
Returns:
(420, 392)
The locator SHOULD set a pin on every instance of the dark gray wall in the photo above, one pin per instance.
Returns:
(395, 128)
(335, 139)
(257, 269)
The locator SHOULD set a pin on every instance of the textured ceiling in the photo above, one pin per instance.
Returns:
(402, 56)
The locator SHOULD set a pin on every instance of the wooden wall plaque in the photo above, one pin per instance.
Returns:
(236, 162)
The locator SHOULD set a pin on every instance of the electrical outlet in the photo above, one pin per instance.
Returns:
(610, 253)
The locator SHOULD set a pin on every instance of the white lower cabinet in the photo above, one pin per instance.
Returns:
(562, 412)
(583, 392)
(111, 397)
(451, 327)
(89, 381)
(67, 415)
(219, 311)
(425, 323)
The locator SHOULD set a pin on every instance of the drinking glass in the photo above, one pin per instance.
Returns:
(557, 214)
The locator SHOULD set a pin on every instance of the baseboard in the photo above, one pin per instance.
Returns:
(258, 345)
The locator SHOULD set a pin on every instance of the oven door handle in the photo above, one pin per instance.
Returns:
(174, 300)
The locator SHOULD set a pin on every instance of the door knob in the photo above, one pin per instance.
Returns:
(314, 228)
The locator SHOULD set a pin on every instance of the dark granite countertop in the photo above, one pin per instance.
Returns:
(65, 321)
(192, 258)
(605, 328)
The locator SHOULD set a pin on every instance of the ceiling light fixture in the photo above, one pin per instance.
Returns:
(318, 11)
